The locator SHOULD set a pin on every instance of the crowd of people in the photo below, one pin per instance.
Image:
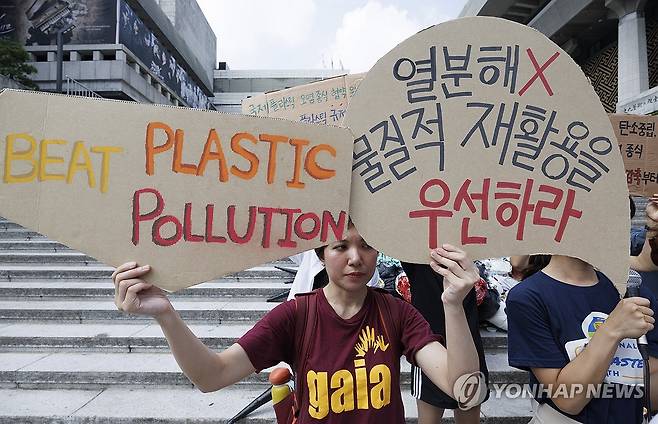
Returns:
(566, 324)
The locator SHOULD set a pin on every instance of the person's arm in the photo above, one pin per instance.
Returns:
(209, 371)
(444, 366)
(630, 319)
(644, 261)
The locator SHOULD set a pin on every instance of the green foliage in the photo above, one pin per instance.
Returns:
(12, 63)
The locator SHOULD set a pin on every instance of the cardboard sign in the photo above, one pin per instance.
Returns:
(638, 144)
(319, 102)
(483, 133)
(196, 194)
(255, 105)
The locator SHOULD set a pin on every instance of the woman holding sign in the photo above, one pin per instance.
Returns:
(350, 372)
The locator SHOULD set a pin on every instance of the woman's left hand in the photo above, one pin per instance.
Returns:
(459, 273)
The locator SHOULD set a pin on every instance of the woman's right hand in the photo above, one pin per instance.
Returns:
(135, 296)
(631, 318)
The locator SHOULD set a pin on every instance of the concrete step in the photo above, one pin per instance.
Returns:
(46, 271)
(493, 339)
(237, 308)
(80, 310)
(183, 405)
(132, 336)
(75, 370)
(121, 337)
(38, 256)
(40, 244)
(49, 271)
(47, 251)
(8, 225)
(20, 234)
(222, 288)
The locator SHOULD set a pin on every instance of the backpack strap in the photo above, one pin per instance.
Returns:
(385, 305)
(305, 322)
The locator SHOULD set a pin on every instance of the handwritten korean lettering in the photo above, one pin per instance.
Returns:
(513, 204)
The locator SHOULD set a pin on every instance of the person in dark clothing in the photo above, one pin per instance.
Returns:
(426, 291)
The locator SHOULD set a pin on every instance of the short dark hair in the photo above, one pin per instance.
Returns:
(535, 264)
(320, 250)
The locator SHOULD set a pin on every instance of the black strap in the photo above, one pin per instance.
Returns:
(305, 320)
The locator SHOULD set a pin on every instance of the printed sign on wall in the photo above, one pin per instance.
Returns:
(37, 22)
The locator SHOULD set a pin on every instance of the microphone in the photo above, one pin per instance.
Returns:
(633, 290)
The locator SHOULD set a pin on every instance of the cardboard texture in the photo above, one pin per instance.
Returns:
(483, 133)
(319, 102)
(638, 144)
(196, 194)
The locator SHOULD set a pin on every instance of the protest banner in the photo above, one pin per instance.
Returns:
(483, 133)
(638, 144)
(195, 194)
(352, 82)
(320, 102)
(255, 105)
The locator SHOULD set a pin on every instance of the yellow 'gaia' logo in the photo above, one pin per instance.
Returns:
(368, 340)
(361, 388)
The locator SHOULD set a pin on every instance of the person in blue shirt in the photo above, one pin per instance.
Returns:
(567, 326)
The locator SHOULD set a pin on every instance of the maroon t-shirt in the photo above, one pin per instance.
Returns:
(353, 371)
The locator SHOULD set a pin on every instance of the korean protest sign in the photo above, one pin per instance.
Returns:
(196, 194)
(483, 133)
(638, 144)
(319, 102)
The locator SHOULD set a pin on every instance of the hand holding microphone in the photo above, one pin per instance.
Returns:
(633, 291)
(633, 316)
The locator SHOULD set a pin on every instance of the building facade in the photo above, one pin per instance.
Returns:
(149, 51)
(614, 41)
(140, 50)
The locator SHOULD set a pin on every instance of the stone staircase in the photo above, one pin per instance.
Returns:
(68, 356)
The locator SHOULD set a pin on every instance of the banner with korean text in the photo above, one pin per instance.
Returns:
(319, 102)
(483, 133)
(638, 144)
